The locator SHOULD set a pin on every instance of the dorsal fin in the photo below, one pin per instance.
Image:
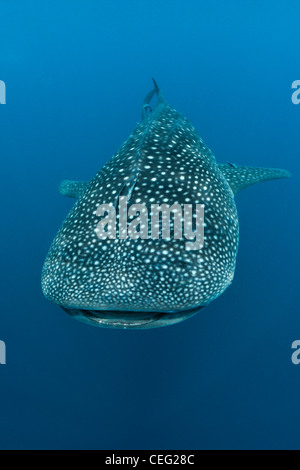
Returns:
(240, 177)
(158, 92)
(147, 100)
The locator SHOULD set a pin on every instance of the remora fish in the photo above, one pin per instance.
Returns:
(146, 283)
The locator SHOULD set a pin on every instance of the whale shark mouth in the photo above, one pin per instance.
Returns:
(130, 320)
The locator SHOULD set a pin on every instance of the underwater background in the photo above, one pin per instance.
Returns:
(76, 74)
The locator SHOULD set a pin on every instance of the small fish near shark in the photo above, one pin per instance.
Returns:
(142, 281)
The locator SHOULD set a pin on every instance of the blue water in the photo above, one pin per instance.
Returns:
(76, 73)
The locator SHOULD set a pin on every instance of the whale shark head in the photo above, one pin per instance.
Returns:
(153, 238)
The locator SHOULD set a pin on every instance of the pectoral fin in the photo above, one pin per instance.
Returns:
(73, 188)
(240, 177)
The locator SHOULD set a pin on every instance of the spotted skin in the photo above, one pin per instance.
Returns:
(146, 283)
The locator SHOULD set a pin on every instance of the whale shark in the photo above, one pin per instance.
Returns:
(146, 282)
